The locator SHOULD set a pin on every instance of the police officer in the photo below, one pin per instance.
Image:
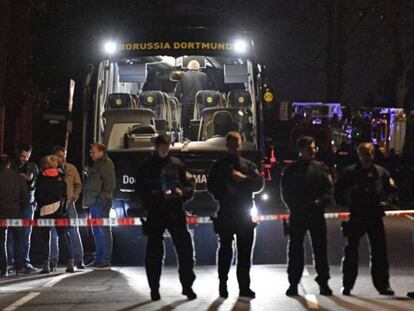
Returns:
(189, 84)
(365, 188)
(232, 180)
(164, 184)
(307, 191)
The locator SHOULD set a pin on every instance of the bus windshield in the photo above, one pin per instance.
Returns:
(197, 100)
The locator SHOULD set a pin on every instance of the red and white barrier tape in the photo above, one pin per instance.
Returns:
(120, 222)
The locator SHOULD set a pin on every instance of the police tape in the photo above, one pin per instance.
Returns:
(121, 222)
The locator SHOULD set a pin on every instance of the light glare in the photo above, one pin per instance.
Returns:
(110, 47)
(240, 46)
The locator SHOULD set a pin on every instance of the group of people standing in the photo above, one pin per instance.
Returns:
(363, 187)
(164, 185)
(27, 192)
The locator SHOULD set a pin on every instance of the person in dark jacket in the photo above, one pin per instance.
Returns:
(365, 188)
(51, 204)
(189, 84)
(98, 196)
(307, 191)
(233, 180)
(29, 171)
(164, 185)
(13, 200)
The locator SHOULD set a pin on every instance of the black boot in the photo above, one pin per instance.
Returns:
(325, 290)
(189, 293)
(410, 294)
(247, 292)
(155, 295)
(346, 291)
(292, 290)
(387, 291)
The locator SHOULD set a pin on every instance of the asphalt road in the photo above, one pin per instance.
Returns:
(126, 288)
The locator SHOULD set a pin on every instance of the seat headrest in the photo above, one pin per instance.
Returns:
(222, 122)
(151, 99)
(119, 101)
(143, 129)
(208, 98)
(239, 98)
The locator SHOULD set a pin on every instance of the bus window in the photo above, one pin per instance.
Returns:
(145, 88)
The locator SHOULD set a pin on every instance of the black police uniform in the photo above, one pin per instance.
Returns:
(157, 176)
(365, 192)
(307, 191)
(187, 88)
(233, 216)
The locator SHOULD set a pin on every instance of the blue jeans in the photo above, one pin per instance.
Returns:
(102, 234)
(74, 238)
(28, 213)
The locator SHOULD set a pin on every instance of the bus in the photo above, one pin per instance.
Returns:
(131, 94)
(135, 96)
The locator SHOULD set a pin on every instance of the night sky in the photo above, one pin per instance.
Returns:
(353, 52)
(291, 38)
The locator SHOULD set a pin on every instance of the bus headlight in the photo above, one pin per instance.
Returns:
(240, 46)
(110, 47)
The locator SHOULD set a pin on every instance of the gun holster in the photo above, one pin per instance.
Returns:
(216, 225)
(285, 227)
(345, 228)
(144, 226)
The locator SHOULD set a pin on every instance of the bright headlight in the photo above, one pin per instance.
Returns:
(265, 197)
(240, 46)
(110, 47)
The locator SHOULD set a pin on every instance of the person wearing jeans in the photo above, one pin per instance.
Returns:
(74, 238)
(13, 197)
(29, 171)
(74, 189)
(102, 236)
(99, 188)
(51, 197)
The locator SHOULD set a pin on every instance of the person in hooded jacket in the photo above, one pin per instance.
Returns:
(51, 202)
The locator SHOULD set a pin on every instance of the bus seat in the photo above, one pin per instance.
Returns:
(120, 101)
(139, 136)
(156, 101)
(206, 99)
(221, 124)
(118, 122)
(239, 99)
